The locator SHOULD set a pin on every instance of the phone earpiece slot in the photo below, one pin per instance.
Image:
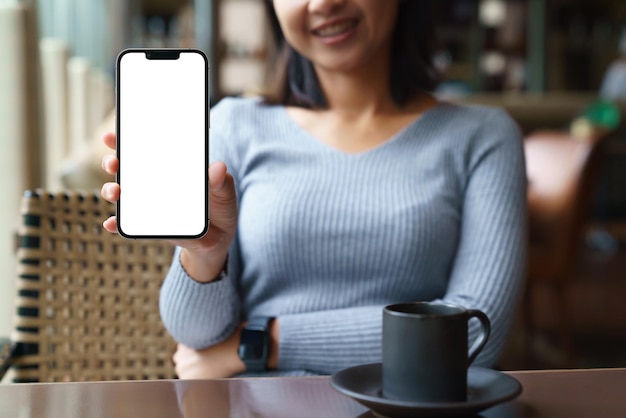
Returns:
(162, 55)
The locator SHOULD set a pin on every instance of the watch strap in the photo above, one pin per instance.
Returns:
(254, 345)
(259, 322)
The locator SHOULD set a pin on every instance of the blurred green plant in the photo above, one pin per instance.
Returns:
(599, 116)
(604, 114)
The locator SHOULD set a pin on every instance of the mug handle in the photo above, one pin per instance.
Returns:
(485, 330)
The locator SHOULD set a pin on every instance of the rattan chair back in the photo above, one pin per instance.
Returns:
(87, 300)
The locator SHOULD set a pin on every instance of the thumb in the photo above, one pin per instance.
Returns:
(221, 185)
(219, 179)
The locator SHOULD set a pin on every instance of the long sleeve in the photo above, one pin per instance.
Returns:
(487, 273)
(327, 239)
(198, 314)
(488, 270)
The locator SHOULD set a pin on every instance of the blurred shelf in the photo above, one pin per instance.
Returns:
(163, 7)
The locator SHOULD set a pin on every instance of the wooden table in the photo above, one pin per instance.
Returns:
(550, 394)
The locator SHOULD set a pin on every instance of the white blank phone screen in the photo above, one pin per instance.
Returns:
(162, 145)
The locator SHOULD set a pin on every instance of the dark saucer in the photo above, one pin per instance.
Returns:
(486, 388)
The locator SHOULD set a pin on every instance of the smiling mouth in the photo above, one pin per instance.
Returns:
(336, 29)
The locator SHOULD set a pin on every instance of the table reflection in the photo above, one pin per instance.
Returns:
(263, 398)
(280, 398)
(554, 394)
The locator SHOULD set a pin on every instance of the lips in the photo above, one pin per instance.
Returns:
(335, 29)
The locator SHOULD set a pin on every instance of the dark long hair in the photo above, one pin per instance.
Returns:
(295, 82)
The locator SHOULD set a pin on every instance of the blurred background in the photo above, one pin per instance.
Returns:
(547, 62)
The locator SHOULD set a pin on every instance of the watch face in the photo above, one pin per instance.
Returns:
(253, 343)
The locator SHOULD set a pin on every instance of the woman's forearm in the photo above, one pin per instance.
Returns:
(197, 314)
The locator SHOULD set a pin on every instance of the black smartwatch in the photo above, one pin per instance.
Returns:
(254, 344)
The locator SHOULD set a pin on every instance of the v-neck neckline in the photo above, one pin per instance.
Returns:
(409, 127)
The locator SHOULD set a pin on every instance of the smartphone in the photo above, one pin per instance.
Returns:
(162, 143)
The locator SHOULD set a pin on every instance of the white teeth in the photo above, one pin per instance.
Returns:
(335, 29)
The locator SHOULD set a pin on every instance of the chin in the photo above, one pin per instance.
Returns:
(342, 65)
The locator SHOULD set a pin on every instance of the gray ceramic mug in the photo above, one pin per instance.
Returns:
(425, 351)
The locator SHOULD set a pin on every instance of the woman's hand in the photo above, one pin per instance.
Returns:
(203, 258)
(218, 361)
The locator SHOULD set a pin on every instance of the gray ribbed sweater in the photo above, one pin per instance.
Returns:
(326, 239)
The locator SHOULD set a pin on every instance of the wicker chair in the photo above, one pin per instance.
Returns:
(87, 300)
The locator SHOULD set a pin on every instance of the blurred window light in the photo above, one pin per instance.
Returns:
(492, 13)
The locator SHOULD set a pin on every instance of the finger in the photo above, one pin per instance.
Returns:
(178, 370)
(183, 349)
(223, 202)
(110, 140)
(110, 164)
(110, 191)
(217, 176)
(110, 225)
(221, 183)
(175, 357)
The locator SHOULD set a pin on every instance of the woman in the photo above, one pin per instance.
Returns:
(347, 189)
(613, 85)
